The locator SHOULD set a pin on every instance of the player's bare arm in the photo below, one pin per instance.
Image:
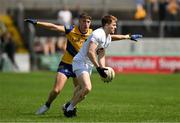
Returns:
(119, 37)
(46, 25)
(92, 53)
(92, 56)
(51, 26)
(101, 57)
(133, 37)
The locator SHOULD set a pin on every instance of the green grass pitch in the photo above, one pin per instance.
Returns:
(129, 98)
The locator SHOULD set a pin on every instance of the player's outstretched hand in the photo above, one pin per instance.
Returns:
(134, 37)
(33, 21)
(101, 71)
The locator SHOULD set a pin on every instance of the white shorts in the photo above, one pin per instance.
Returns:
(79, 67)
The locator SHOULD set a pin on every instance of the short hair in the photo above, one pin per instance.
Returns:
(108, 19)
(85, 16)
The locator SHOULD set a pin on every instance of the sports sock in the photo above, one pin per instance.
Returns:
(47, 104)
(70, 107)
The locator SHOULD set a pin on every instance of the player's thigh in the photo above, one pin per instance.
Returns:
(60, 81)
(84, 80)
(83, 72)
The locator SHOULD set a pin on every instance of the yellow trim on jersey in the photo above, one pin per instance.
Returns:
(67, 58)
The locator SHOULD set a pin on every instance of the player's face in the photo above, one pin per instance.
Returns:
(112, 27)
(84, 24)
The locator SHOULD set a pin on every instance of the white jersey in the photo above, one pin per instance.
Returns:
(99, 37)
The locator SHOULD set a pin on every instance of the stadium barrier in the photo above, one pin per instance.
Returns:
(50, 62)
(149, 55)
(23, 62)
(144, 64)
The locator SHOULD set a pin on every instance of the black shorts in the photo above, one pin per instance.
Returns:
(66, 69)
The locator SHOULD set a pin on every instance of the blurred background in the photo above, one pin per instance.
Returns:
(25, 48)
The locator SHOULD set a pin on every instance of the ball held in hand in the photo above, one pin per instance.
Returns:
(110, 75)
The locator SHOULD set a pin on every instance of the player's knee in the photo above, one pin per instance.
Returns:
(87, 89)
(56, 91)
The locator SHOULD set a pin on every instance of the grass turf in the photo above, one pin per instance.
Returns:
(129, 98)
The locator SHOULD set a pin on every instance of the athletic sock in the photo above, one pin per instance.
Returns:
(70, 107)
(47, 104)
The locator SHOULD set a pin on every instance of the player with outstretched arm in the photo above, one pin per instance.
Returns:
(92, 54)
(76, 35)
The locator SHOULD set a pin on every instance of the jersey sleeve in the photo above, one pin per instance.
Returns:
(95, 38)
(68, 28)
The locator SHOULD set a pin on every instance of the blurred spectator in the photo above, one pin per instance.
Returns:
(61, 45)
(3, 28)
(153, 9)
(1, 46)
(172, 10)
(38, 47)
(1, 59)
(65, 16)
(78, 11)
(162, 10)
(154, 4)
(49, 46)
(140, 13)
(9, 47)
(20, 17)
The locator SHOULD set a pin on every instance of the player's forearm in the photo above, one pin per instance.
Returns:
(101, 58)
(120, 37)
(101, 61)
(50, 26)
(92, 57)
(45, 25)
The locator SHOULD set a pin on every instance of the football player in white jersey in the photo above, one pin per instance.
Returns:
(93, 54)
